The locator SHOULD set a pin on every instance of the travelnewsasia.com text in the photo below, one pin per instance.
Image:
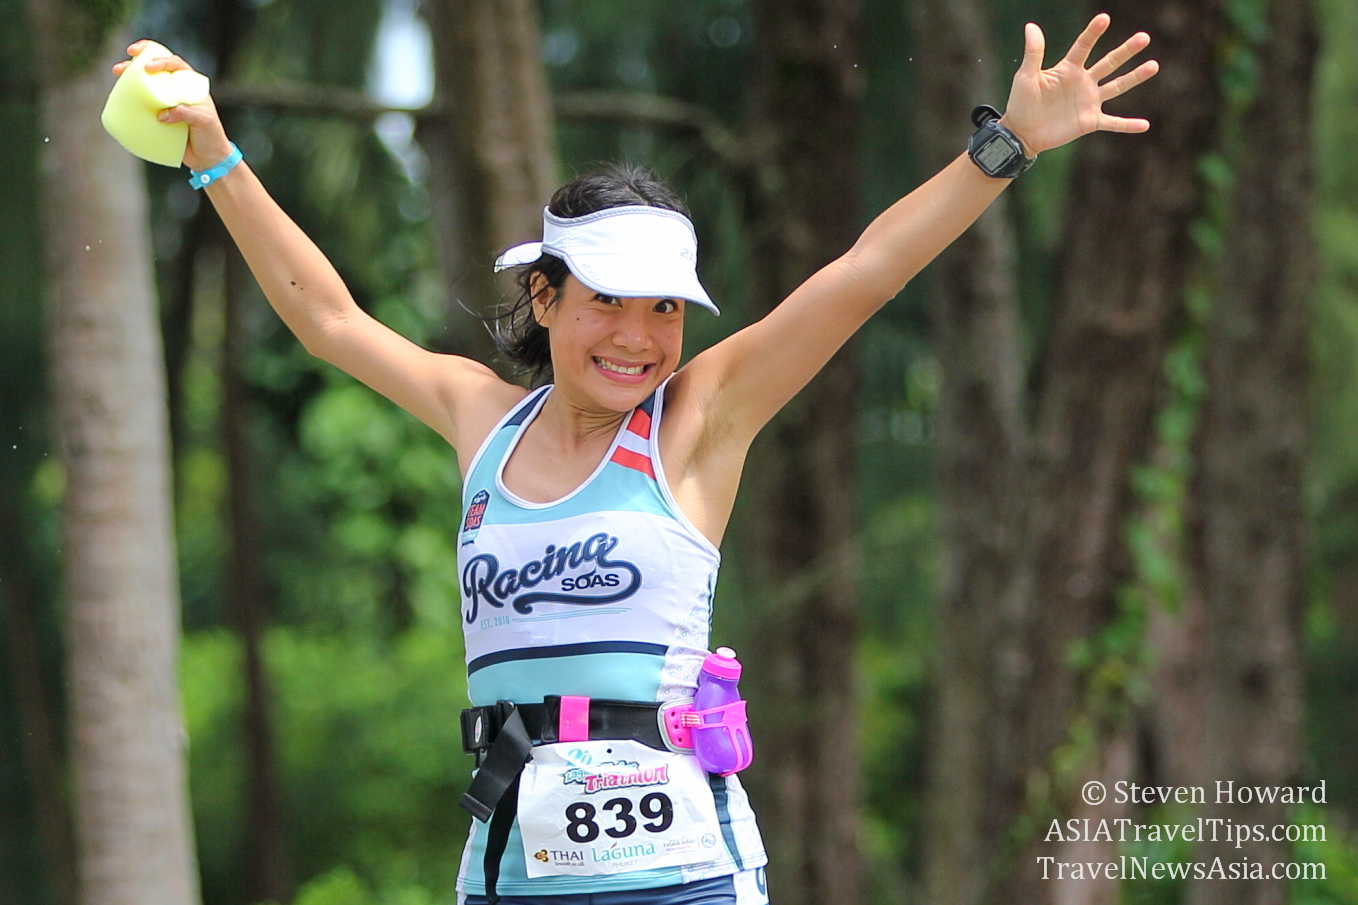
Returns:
(1130, 867)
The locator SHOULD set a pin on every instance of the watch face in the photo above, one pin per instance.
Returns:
(994, 154)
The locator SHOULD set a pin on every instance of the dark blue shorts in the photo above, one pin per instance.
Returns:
(717, 891)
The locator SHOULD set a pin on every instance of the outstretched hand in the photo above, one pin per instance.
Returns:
(1050, 107)
(208, 144)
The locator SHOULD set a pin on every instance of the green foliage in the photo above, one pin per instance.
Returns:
(342, 887)
(1166, 889)
(335, 887)
(369, 749)
(311, 41)
(86, 26)
(1333, 665)
(390, 490)
(1338, 851)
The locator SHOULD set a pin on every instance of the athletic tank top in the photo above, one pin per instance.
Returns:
(605, 592)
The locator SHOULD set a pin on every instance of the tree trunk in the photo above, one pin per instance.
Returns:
(228, 21)
(973, 301)
(267, 867)
(1033, 515)
(492, 152)
(803, 213)
(39, 740)
(1247, 504)
(133, 825)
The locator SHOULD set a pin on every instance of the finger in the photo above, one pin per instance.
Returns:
(1113, 61)
(166, 64)
(193, 114)
(177, 114)
(136, 47)
(1122, 124)
(1034, 47)
(119, 67)
(1084, 44)
(1124, 83)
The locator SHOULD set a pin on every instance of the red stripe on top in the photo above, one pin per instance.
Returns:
(640, 424)
(628, 459)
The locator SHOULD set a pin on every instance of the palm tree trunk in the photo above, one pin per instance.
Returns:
(133, 827)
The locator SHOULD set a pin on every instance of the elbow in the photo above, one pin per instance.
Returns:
(323, 338)
(875, 283)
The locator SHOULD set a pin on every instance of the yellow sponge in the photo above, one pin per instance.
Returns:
(138, 96)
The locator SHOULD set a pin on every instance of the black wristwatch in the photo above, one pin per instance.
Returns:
(995, 149)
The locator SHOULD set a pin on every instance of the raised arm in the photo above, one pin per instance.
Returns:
(744, 380)
(454, 395)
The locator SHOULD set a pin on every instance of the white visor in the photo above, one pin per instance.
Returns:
(636, 251)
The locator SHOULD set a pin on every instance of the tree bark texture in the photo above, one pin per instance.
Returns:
(973, 302)
(1247, 500)
(492, 149)
(1035, 490)
(127, 742)
(802, 213)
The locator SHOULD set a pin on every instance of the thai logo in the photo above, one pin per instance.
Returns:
(619, 774)
(581, 574)
(471, 525)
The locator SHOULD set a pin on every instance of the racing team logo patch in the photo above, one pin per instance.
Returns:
(471, 525)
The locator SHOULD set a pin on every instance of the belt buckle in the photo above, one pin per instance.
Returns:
(475, 730)
(675, 730)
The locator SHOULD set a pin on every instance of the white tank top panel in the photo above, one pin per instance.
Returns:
(606, 593)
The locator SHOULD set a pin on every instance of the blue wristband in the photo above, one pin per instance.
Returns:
(203, 178)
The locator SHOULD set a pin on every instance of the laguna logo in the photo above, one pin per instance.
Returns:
(582, 573)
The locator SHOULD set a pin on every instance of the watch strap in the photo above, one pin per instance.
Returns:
(989, 129)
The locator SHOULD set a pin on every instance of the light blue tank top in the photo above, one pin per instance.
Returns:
(606, 593)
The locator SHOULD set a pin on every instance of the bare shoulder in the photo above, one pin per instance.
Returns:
(478, 399)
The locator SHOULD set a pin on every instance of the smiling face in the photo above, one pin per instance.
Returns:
(608, 352)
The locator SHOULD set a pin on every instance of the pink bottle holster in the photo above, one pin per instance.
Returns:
(678, 722)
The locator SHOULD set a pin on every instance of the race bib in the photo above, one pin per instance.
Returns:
(604, 807)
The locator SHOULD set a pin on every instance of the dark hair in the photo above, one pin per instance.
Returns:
(520, 338)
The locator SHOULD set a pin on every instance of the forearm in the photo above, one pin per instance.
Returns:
(298, 280)
(913, 231)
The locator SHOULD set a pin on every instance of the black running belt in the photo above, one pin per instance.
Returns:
(636, 720)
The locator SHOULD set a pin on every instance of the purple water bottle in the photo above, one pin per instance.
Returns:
(722, 738)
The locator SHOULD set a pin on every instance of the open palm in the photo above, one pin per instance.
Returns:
(1050, 107)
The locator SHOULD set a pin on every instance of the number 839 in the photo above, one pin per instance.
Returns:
(656, 809)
